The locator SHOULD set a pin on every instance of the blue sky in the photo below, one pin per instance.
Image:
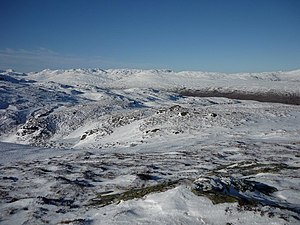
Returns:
(207, 35)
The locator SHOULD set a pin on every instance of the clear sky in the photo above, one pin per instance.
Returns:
(206, 35)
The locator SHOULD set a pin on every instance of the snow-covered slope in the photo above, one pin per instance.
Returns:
(118, 78)
(119, 146)
(281, 87)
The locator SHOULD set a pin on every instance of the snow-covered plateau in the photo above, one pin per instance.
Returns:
(124, 146)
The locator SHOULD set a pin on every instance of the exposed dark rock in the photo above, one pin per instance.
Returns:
(268, 96)
(58, 201)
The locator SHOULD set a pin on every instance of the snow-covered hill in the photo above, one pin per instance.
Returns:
(282, 87)
(107, 141)
(130, 78)
(84, 107)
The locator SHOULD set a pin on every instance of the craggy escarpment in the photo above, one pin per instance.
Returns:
(266, 96)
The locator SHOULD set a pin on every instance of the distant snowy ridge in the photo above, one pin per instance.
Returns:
(135, 77)
(282, 87)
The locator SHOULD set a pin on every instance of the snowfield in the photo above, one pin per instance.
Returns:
(121, 146)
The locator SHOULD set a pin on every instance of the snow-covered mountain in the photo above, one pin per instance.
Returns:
(84, 146)
(80, 107)
(132, 78)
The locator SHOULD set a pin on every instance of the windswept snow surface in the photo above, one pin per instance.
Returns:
(92, 146)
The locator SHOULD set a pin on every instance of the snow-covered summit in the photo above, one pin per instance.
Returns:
(167, 79)
(12, 72)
